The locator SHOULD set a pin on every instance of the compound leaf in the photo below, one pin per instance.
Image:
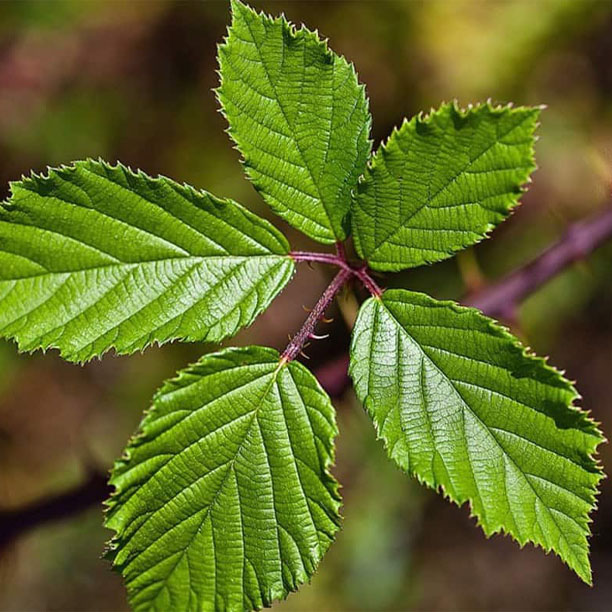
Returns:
(441, 182)
(298, 116)
(462, 406)
(94, 256)
(224, 499)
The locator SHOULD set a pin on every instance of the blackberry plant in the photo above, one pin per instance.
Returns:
(224, 498)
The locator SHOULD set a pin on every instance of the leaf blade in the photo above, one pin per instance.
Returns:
(298, 116)
(244, 444)
(460, 405)
(95, 257)
(441, 183)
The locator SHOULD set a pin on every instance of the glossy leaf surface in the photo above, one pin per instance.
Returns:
(224, 500)
(462, 406)
(299, 118)
(441, 182)
(94, 257)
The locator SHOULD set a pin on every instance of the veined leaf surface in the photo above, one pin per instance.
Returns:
(441, 182)
(298, 116)
(460, 405)
(224, 500)
(94, 257)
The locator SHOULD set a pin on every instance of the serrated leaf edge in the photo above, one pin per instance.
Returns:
(41, 178)
(594, 433)
(140, 436)
(327, 236)
(426, 118)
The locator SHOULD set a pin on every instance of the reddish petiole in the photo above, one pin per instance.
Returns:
(346, 272)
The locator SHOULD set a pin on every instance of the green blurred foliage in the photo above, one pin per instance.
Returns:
(133, 81)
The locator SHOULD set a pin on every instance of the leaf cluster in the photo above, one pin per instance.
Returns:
(224, 498)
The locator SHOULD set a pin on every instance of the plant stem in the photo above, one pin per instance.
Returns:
(326, 258)
(583, 238)
(15, 522)
(360, 272)
(368, 282)
(295, 346)
(580, 240)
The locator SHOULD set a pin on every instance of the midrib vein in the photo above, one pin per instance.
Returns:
(290, 126)
(135, 264)
(492, 436)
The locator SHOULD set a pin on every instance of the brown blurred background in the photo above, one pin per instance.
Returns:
(132, 81)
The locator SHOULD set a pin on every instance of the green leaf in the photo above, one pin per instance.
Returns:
(224, 498)
(299, 118)
(461, 405)
(441, 182)
(94, 256)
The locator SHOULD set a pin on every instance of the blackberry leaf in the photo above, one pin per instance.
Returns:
(298, 116)
(441, 183)
(462, 406)
(94, 257)
(224, 500)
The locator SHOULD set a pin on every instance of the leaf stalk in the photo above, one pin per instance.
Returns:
(360, 272)
(296, 345)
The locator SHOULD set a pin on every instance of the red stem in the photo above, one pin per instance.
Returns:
(362, 273)
(327, 258)
(368, 282)
(295, 346)
(583, 238)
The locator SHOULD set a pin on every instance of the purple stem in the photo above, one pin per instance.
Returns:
(368, 282)
(362, 273)
(295, 346)
(326, 258)
(580, 240)
(15, 522)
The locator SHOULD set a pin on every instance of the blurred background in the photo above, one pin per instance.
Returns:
(132, 81)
